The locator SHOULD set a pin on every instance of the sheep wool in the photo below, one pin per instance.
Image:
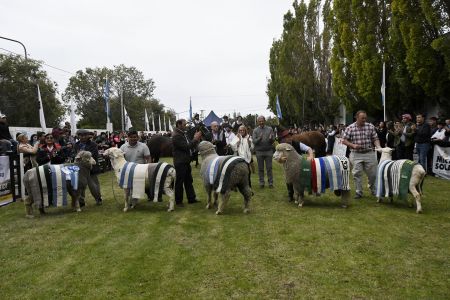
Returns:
(218, 171)
(49, 184)
(393, 178)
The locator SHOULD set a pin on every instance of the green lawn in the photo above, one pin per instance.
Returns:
(369, 250)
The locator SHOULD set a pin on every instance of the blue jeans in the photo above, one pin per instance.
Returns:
(422, 152)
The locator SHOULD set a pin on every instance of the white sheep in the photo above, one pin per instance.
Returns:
(417, 176)
(235, 176)
(286, 155)
(118, 162)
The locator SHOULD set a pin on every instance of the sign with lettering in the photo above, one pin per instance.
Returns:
(441, 161)
(339, 148)
(6, 188)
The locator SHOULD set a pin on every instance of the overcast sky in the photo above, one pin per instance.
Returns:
(216, 52)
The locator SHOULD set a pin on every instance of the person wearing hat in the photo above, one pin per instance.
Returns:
(86, 144)
(50, 152)
(406, 146)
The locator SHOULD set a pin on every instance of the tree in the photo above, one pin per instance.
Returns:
(18, 93)
(87, 87)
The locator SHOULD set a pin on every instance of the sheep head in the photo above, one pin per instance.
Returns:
(386, 153)
(85, 158)
(282, 152)
(206, 148)
(113, 153)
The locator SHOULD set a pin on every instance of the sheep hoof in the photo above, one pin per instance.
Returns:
(78, 209)
(296, 201)
(418, 211)
(218, 212)
(29, 216)
(300, 205)
(344, 206)
(246, 211)
(208, 206)
(125, 209)
(170, 209)
(379, 200)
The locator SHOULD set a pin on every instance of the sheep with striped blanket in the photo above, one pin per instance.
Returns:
(397, 177)
(221, 175)
(135, 179)
(314, 175)
(48, 185)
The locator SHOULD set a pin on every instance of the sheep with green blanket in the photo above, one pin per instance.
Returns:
(314, 175)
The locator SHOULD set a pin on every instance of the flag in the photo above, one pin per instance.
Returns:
(170, 126)
(147, 125)
(153, 122)
(73, 121)
(106, 98)
(128, 124)
(383, 87)
(278, 109)
(41, 111)
(190, 109)
(159, 118)
(165, 127)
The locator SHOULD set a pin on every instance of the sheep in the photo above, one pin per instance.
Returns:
(36, 182)
(158, 177)
(414, 187)
(222, 174)
(337, 177)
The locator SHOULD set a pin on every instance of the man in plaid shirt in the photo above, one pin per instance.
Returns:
(360, 138)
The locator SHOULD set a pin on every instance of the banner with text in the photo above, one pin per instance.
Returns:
(441, 161)
(339, 148)
(6, 188)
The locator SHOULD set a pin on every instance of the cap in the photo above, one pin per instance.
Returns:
(407, 116)
(83, 131)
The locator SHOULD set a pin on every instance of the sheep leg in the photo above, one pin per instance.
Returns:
(28, 201)
(380, 200)
(222, 202)
(247, 193)
(127, 199)
(209, 204)
(345, 196)
(169, 192)
(216, 198)
(416, 195)
(75, 202)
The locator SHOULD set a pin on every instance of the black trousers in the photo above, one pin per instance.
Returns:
(184, 177)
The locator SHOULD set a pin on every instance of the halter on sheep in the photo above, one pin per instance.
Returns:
(222, 174)
(314, 175)
(157, 177)
(394, 176)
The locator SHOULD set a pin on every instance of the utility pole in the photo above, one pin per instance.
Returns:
(121, 108)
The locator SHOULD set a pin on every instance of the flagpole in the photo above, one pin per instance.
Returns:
(165, 126)
(121, 107)
(384, 92)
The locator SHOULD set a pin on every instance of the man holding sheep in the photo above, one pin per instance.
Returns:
(360, 137)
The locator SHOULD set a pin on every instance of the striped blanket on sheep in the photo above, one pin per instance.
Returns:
(219, 170)
(314, 174)
(393, 178)
(48, 184)
(132, 176)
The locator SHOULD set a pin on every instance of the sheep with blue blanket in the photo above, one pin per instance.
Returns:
(221, 175)
(314, 174)
(49, 185)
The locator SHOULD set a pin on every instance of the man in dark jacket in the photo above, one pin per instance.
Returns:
(182, 150)
(422, 139)
(85, 144)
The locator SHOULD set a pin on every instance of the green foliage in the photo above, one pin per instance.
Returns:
(299, 67)
(86, 88)
(18, 93)
(278, 251)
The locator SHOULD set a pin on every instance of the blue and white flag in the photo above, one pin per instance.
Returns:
(128, 124)
(279, 115)
(147, 124)
(41, 111)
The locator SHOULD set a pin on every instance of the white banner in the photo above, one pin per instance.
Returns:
(6, 189)
(339, 148)
(441, 161)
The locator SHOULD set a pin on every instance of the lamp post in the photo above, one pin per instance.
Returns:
(25, 49)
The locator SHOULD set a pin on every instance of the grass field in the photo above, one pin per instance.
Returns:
(278, 251)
